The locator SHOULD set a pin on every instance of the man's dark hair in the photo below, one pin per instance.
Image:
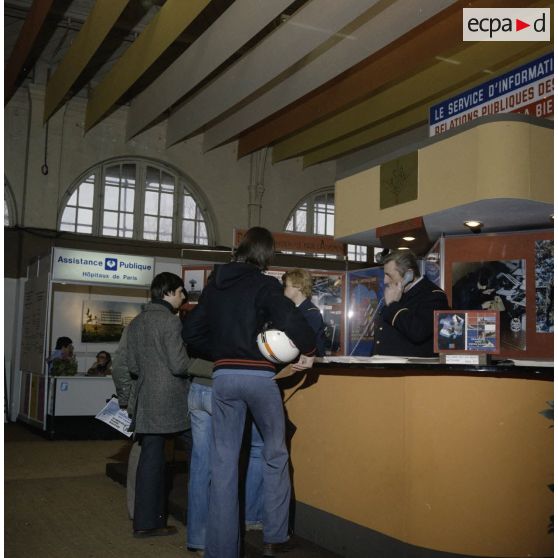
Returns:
(256, 247)
(165, 283)
(62, 342)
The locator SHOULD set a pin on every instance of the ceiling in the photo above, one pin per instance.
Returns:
(318, 79)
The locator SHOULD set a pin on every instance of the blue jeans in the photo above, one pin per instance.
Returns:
(254, 479)
(199, 405)
(233, 393)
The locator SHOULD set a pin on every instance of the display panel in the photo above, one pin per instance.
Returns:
(475, 249)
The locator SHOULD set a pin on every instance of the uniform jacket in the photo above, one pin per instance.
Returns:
(314, 318)
(233, 309)
(406, 327)
(157, 356)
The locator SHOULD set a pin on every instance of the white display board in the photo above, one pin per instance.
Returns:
(102, 267)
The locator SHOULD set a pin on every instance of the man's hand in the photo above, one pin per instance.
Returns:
(303, 363)
(393, 293)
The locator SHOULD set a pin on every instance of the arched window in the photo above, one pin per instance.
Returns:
(138, 199)
(9, 206)
(315, 214)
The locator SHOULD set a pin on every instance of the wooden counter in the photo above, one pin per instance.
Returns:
(423, 460)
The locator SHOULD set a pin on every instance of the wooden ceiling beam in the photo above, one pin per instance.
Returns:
(377, 28)
(16, 67)
(171, 20)
(410, 53)
(274, 58)
(94, 31)
(236, 26)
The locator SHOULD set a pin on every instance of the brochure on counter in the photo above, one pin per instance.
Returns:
(115, 417)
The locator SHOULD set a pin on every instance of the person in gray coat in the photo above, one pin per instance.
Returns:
(157, 355)
(126, 394)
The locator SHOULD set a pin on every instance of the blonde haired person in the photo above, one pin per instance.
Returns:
(297, 284)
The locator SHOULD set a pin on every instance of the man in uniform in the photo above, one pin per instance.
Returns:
(404, 324)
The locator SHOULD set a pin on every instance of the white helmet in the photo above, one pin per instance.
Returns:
(276, 347)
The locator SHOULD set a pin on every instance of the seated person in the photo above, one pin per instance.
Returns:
(62, 361)
(102, 366)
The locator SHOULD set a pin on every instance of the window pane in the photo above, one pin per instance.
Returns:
(129, 222)
(69, 215)
(151, 203)
(129, 175)
(167, 182)
(111, 197)
(188, 230)
(127, 200)
(112, 175)
(67, 227)
(6, 214)
(165, 230)
(202, 234)
(149, 225)
(73, 199)
(289, 226)
(85, 216)
(189, 208)
(166, 205)
(152, 178)
(110, 219)
(84, 229)
(86, 193)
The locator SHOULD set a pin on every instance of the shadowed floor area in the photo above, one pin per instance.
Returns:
(60, 503)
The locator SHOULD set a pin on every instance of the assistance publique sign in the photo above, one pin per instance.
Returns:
(102, 267)
(528, 89)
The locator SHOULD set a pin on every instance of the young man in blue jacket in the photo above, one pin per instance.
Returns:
(232, 310)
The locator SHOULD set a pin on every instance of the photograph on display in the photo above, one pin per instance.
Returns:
(494, 285)
(194, 281)
(103, 320)
(544, 277)
(451, 331)
(482, 332)
(365, 291)
(471, 331)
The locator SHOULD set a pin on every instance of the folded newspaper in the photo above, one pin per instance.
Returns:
(116, 417)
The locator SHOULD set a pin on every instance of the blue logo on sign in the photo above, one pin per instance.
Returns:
(64, 386)
(111, 264)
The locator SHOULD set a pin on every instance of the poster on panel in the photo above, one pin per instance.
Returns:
(494, 285)
(365, 289)
(103, 320)
(544, 277)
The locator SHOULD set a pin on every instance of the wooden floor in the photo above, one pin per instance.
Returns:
(60, 503)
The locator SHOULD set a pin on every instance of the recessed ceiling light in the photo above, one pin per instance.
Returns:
(403, 248)
(474, 225)
(448, 60)
(408, 238)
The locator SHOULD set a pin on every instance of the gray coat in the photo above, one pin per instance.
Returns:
(157, 355)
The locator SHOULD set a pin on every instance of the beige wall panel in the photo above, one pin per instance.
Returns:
(455, 464)
(490, 161)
